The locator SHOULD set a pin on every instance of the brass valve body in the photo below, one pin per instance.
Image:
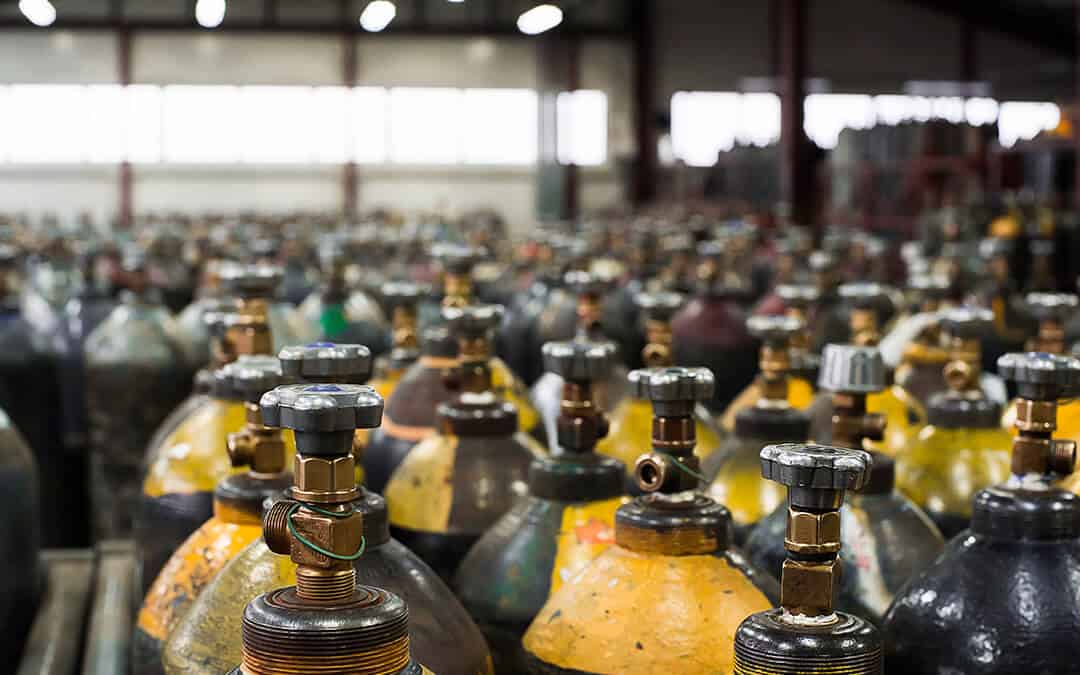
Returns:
(257, 446)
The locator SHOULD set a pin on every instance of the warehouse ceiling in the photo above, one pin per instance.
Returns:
(413, 16)
(1050, 24)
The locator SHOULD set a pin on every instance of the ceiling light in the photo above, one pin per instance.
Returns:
(210, 13)
(38, 12)
(539, 19)
(377, 15)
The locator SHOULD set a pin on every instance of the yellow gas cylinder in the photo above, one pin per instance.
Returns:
(798, 300)
(326, 622)
(735, 471)
(916, 335)
(631, 420)
(454, 485)
(963, 449)
(669, 595)
(904, 415)
(1052, 310)
(456, 263)
(401, 298)
(238, 506)
(177, 492)
(565, 521)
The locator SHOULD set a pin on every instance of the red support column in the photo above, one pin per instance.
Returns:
(796, 179)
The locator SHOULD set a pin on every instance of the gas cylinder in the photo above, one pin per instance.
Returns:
(183, 471)
(456, 263)
(735, 470)
(410, 417)
(590, 290)
(631, 420)
(664, 596)
(36, 361)
(327, 310)
(800, 302)
(963, 449)
(1000, 292)
(828, 321)
(888, 537)
(805, 634)
(999, 600)
(22, 576)
(904, 416)
(326, 618)
(1051, 310)
(238, 504)
(567, 519)
(401, 298)
(921, 365)
(207, 639)
(799, 391)
(710, 330)
(135, 374)
(455, 484)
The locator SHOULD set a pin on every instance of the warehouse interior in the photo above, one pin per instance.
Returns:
(509, 337)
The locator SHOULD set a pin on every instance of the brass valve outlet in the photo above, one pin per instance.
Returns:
(472, 325)
(457, 289)
(327, 480)
(808, 586)
(580, 424)
(249, 330)
(851, 424)
(1036, 417)
(1041, 378)
(658, 349)
(403, 323)
(812, 533)
(319, 577)
(256, 446)
(864, 328)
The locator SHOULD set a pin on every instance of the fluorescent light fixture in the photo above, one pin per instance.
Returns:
(210, 13)
(455, 2)
(377, 15)
(38, 12)
(539, 19)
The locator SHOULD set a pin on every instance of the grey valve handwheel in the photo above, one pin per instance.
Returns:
(1041, 376)
(673, 391)
(322, 408)
(806, 465)
(327, 361)
(852, 369)
(967, 322)
(774, 329)
(1052, 306)
(456, 258)
(247, 378)
(579, 361)
(659, 306)
(473, 320)
(250, 281)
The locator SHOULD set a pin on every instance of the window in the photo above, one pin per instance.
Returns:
(202, 124)
(703, 124)
(46, 123)
(499, 126)
(581, 127)
(368, 124)
(1022, 121)
(425, 125)
(829, 114)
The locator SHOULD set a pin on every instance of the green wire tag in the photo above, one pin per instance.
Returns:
(312, 545)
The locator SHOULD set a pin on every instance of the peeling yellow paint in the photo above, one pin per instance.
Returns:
(421, 490)
(190, 569)
(631, 613)
(587, 530)
(194, 458)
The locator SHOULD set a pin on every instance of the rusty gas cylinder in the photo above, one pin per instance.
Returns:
(963, 449)
(454, 485)
(997, 602)
(656, 601)
(566, 520)
(888, 537)
(711, 330)
(805, 634)
(238, 506)
(734, 471)
(186, 466)
(441, 632)
(326, 618)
